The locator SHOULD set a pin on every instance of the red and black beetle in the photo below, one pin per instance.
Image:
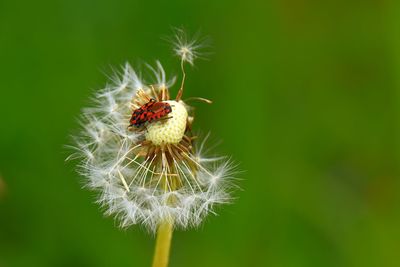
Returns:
(149, 112)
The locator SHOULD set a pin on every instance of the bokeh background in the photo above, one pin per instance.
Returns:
(306, 99)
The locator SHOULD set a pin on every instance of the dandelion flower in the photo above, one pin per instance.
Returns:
(138, 151)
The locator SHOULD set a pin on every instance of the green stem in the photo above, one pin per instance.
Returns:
(163, 244)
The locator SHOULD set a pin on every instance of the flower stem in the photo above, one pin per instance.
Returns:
(163, 244)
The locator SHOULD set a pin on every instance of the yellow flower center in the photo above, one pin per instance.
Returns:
(169, 129)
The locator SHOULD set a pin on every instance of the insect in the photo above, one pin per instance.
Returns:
(149, 112)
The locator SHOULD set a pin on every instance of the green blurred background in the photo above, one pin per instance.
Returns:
(306, 99)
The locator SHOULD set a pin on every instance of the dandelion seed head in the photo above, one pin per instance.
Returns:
(155, 171)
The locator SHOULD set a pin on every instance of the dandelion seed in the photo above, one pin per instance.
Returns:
(189, 48)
